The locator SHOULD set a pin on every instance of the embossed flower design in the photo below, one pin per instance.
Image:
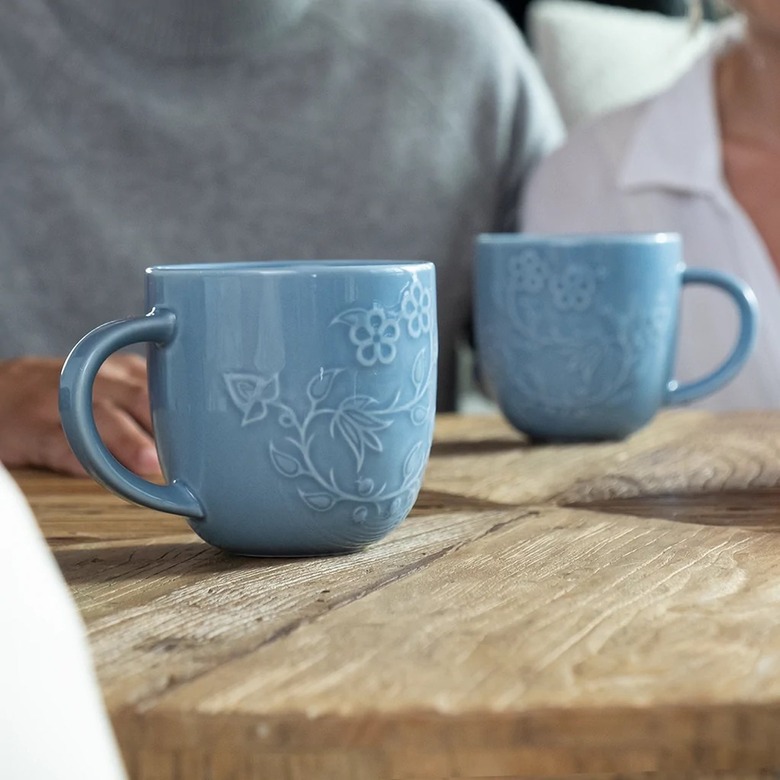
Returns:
(573, 288)
(527, 271)
(375, 335)
(648, 327)
(416, 307)
(303, 426)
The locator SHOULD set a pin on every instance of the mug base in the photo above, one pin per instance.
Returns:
(287, 555)
(553, 439)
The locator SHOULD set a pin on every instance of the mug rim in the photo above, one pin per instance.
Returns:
(582, 239)
(281, 267)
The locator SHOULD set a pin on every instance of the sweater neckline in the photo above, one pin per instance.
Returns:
(189, 29)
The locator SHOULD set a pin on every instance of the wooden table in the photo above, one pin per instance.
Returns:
(610, 608)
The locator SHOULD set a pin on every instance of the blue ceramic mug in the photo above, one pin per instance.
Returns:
(576, 334)
(293, 402)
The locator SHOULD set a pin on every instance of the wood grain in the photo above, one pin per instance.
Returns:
(546, 611)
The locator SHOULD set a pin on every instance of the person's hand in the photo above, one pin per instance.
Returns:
(30, 430)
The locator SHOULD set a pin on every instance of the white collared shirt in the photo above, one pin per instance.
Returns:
(656, 166)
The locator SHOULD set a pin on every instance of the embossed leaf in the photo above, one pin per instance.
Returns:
(357, 409)
(396, 505)
(365, 486)
(268, 389)
(360, 515)
(287, 418)
(418, 369)
(242, 389)
(351, 435)
(251, 393)
(419, 415)
(286, 464)
(350, 317)
(321, 502)
(413, 461)
(319, 387)
(256, 412)
(358, 428)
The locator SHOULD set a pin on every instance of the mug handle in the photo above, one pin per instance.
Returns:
(78, 419)
(747, 307)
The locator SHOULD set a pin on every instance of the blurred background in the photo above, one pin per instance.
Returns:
(517, 8)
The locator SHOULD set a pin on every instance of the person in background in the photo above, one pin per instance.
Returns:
(164, 131)
(703, 159)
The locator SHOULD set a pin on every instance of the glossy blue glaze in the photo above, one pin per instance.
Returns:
(576, 334)
(293, 402)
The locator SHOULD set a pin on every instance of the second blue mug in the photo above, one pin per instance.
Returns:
(576, 334)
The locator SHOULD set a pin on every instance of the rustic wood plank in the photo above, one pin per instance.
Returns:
(477, 742)
(561, 608)
(484, 458)
(641, 631)
(545, 611)
(757, 509)
(729, 452)
(150, 631)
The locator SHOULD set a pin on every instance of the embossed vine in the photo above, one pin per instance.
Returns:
(358, 420)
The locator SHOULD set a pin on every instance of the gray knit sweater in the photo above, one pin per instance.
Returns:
(164, 131)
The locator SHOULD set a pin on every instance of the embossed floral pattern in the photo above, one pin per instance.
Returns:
(416, 306)
(577, 351)
(572, 289)
(649, 325)
(333, 410)
(373, 332)
(527, 271)
(252, 394)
